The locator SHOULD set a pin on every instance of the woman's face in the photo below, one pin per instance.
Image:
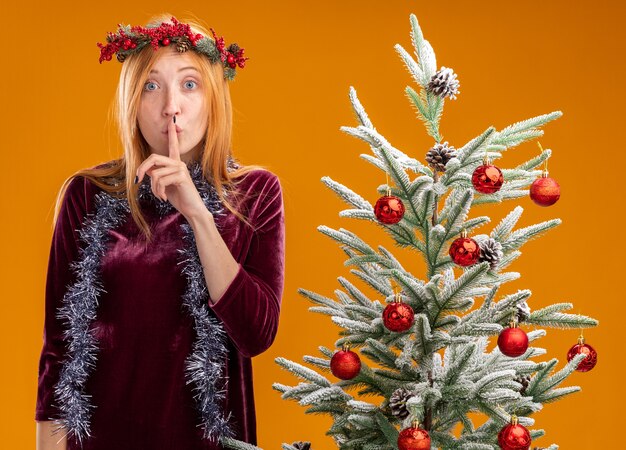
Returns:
(173, 87)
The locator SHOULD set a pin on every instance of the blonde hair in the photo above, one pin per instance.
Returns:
(217, 140)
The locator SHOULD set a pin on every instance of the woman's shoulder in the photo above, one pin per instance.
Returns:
(260, 187)
(259, 181)
(264, 200)
(81, 186)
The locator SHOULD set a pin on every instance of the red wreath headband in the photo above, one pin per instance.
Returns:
(129, 40)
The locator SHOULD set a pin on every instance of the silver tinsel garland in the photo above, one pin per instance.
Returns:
(204, 367)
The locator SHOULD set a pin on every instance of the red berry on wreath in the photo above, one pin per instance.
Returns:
(414, 438)
(345, 364)
(545, 191)
(389, 209)
(514, 436)
(487, 178)
(589, 362)
(464, 251)
(398, 316)
(513, 341)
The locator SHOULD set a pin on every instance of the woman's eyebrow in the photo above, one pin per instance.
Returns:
(180, 70)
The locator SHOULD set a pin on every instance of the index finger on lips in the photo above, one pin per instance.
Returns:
(173, 139)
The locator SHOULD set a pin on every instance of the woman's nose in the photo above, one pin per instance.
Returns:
(172, 103)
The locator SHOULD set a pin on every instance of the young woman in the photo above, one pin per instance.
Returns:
(166, 266)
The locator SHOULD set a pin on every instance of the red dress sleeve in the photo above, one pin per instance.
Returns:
(250, 307)
(63, 251)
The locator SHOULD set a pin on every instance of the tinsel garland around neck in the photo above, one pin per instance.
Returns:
(204, 367)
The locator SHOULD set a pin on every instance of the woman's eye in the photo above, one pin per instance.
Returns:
(192, 82)
(146, 86)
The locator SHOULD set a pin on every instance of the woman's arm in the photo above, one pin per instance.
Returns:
(48, 441)
(249, 294)
(64, 249)
(218, 265)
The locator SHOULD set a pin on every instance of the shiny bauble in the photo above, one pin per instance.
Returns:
(345, 364)
(464, 251)
(514, 437)
(513, 342)
(389, 209)
(414, 438)
(398, 316)
(545, 191)
(487, 179)
(590, 360)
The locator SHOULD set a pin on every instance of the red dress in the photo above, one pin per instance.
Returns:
(138, 388)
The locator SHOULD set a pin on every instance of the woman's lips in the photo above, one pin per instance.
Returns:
(178, 130)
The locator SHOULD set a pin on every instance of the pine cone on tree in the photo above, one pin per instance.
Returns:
(397, 402)
(444, 84)
(439, 155)
(300, 445)
(524, 380)
(490, 251)
(183, 44)
(523, 312)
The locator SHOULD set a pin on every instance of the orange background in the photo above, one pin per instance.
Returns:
(514, 61)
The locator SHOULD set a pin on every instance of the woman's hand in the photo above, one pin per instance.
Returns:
(46, 440)
(170, 179)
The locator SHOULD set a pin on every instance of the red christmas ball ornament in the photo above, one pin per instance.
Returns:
(389, 209)
(514, 436)
(487, 178)
(345, 364)
(545, 191)
(398, 316)
(414, 438)
(590, 360)
(513, 341)
(166, 42)
(464, 251)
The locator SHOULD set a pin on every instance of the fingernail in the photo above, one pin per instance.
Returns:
(136, 178)
(174, 119)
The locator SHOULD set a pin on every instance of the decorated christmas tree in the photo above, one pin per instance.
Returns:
(412, 365)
